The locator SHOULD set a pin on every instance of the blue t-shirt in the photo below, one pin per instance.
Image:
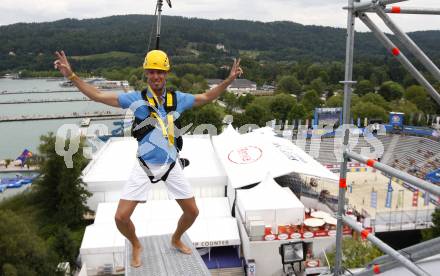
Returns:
(154, 148)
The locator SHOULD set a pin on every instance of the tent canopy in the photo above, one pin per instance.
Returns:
(249, 157)
(274, 204)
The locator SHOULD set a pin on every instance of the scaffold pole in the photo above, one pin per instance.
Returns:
(360, 7)
(346, 121)
(409, 43)
(385, 247)
(404, 10)
(400, 56)
(420, 183)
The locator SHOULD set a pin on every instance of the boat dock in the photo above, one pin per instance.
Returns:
(26, 101)
(116, 89)
(35, 92)
(102, 115)
(14, 169)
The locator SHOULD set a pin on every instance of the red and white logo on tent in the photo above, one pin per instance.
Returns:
(245, 155)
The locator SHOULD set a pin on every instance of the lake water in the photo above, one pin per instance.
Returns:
(16, 136)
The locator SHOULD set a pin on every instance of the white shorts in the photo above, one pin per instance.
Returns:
(138, 184)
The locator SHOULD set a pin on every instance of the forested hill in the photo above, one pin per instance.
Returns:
(186, 39)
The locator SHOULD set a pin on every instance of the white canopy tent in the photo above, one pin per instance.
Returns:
(111, 166)
(271, 203)
(103, 244)
(301, 162)
(249, 157)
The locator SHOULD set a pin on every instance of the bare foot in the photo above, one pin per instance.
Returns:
(179, 245)
(136, 260)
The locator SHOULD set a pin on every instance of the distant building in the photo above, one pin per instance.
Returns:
(221, 47)
(267, 87)
(238, 86)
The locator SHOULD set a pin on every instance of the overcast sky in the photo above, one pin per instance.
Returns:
(308, 12)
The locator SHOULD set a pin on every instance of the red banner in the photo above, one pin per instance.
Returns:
(415, 201)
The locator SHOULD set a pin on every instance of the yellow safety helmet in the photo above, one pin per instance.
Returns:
(157, 59)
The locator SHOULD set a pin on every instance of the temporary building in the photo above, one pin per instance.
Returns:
(247, 159)
(301, 162)
(103, 245)
(270, 203)
(111, 166)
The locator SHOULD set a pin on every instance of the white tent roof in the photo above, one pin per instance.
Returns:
(271, 203)
(247, 159)
(267, 195)
(204, 165)
(214, 226)
(112, 165)
(300, 161)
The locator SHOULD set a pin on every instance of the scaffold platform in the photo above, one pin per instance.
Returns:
(159, 258)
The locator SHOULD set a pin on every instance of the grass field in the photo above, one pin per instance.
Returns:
(109, 55)
(249, 53)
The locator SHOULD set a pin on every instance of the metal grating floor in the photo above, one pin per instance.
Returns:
(159, 258)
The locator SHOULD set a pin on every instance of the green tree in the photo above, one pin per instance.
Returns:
(8, 162)
(391, 90)
(298, 112)
(207, 114)
(60, 192)
(257, 114)
(311, 100)
(314, 71)
(369, 110)
(418, 95)
(318, 85)
(244, 100)
(335, 101)
(231, 101)
(64, 244)
(356, 253)
(281, 105)
(9, 270)
(23, 252)
(289, 85)
(434, 231)
(375, 99)
(407, 107)
(364, 87)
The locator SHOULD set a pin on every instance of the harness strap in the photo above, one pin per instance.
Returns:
(170, 105)
(150, 174)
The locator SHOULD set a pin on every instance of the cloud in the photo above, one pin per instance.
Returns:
(308, 12)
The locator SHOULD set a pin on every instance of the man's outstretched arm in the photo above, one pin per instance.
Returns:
(214, 93)
(62, 65)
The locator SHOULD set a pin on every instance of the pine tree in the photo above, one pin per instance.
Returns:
(60, 192)
(434, 231)
(22, 251)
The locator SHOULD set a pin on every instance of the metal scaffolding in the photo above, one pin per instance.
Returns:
(357, 9)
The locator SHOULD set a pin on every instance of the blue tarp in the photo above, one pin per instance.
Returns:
(433, 176)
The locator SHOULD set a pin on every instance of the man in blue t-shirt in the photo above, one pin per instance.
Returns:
(156, 158)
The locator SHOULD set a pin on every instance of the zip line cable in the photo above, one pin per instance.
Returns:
(152, 29)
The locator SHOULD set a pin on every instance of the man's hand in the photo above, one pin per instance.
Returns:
(236, 70)
(215, 92)
(62, 64)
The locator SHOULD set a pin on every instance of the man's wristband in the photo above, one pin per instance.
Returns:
(72, 76)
